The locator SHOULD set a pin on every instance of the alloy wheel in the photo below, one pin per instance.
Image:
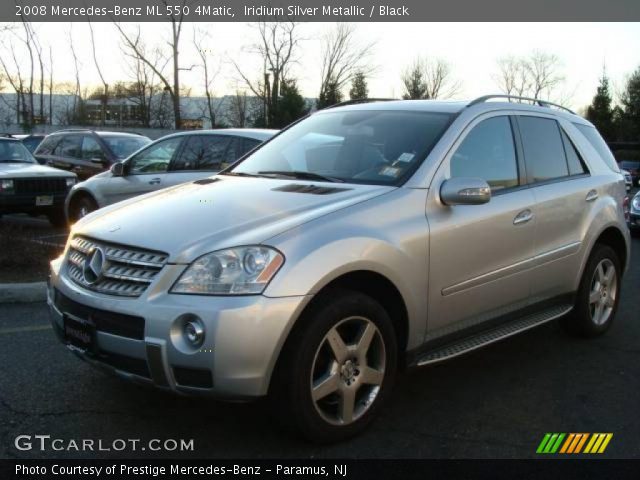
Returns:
(603, 293)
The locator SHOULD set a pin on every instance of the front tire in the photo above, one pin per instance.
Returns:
(598, 295)
(82, 207)
(337, 368)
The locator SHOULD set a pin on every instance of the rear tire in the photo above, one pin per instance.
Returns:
(598, 295)
(81, 207)
(337, 368)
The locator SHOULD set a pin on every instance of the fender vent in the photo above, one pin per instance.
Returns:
(206, 181)
(312, 189)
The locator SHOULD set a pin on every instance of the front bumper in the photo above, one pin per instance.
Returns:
(26, 203)
(634, 219)
(243, 335)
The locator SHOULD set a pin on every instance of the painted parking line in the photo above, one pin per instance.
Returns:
(32, 328)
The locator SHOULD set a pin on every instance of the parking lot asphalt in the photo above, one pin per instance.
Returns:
(495, 403)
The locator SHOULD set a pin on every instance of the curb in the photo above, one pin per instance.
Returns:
(23, 292)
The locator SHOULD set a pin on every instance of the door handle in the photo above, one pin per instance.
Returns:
(154, 181)
(591, 196)
(523, 217)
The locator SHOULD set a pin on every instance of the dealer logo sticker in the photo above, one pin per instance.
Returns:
(573, 443)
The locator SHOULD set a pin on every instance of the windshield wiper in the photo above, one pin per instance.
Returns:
(301, 175)
(240, 174)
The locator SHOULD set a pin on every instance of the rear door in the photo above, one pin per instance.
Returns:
(200, 157)
(93, 158)
(145, 172)
(564, 194)
(479, 255)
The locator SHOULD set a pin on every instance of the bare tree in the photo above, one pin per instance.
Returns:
(104, 98)
(429, 78)
(342, 58)
(77, 91)
(199, 42)
(535, 75)
(277, 45)
(50, 85)
(135, 45)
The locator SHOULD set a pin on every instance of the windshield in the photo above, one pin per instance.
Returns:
(374, 147)
(15, 152)
(122, 147)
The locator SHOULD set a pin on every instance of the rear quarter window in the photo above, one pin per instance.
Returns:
(596, 141)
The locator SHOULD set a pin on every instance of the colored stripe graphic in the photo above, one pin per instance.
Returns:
(574, 443)
(550, 443)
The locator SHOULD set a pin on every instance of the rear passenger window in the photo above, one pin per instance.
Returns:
(543, 149)
(70, 147)
(576, 165)
(202, 152)
(488, 152)
(47, 146)
(596, 141)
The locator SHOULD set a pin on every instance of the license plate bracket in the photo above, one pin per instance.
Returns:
(80, 333)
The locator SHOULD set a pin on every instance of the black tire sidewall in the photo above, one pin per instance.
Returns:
(295, 372)
(580, 321)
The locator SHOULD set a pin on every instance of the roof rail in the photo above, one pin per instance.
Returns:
(73, 130)
(537, 101)
(357, 101)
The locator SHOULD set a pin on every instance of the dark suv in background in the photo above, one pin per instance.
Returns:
(633, 167)
(87, 152)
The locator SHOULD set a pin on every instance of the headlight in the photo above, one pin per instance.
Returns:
(235, 271)
(636, 202)
(71, 181)
(6, 186)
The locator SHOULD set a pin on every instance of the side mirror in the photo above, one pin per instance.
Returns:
(117, 169)
(465, 191)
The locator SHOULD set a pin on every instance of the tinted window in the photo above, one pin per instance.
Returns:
(91, 149)
(543, 149)
(14, 152)
(576, 165)
(361, 146)
(70, 147)
(249, 144)
(122, 147)
(596, 141)
(31, 143)
(629, 165)
(156, 158)
(48, 145)
(488, 152)
(203, 152)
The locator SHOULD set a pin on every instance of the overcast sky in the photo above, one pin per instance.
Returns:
(470, 48)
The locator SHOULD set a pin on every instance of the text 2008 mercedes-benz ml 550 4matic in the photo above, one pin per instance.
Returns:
(363, 239)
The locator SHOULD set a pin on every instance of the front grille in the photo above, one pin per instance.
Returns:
(127, 364)
(120, 324)
(40, 185)
(126, 271)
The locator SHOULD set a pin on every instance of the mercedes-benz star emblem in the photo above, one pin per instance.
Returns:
(93, 265)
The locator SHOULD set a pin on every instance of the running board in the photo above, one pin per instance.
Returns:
(488, 337)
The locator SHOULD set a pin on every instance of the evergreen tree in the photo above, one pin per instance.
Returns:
(600, 112)
(414, 83)
(359, 89)
(291, 105)
(329, 96)
(631, 108)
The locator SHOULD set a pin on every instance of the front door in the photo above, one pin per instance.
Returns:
(479, 254)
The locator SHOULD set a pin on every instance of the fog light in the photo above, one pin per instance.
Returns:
(194, 332)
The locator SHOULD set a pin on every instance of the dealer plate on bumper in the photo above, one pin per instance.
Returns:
(79, 333)
(44, 200)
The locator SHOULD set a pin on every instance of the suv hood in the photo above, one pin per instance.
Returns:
(28, 170)
(197, 218)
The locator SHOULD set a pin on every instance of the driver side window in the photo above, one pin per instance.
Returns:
(488, 152)
(156, 158)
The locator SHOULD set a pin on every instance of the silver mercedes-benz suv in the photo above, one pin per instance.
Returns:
(361, 240)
